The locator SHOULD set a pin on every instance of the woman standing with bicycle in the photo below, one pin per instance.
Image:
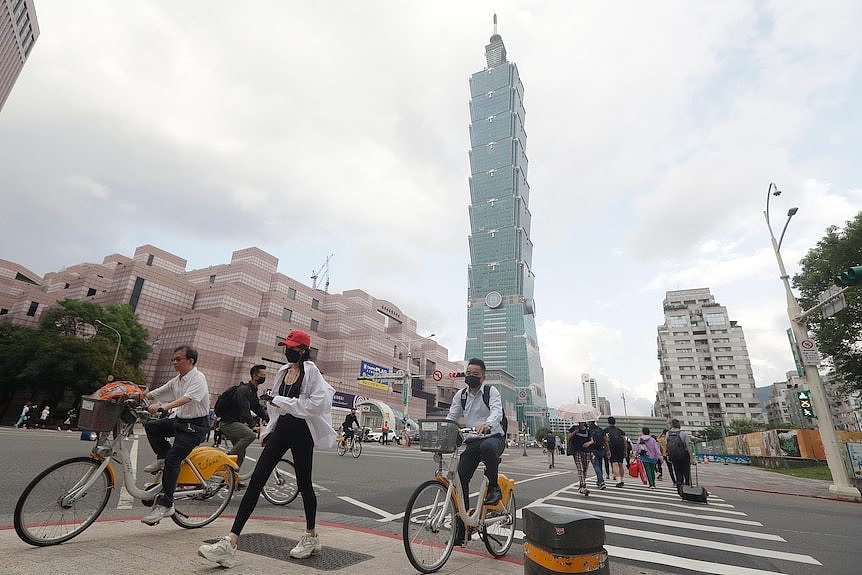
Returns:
(300, 420)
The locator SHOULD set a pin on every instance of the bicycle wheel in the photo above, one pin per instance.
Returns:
(356, 448)
(51, 509)
(498, 536)
(341, 447)
(280, 488)
(429, 527)
(200, 504)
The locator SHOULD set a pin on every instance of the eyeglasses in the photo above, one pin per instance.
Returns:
(173, 359)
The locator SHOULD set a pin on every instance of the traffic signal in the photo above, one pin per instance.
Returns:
(805, 405)
(852, 277)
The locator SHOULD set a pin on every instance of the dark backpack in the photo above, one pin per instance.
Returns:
(615, 437)
(597, 434)
(486, 396)
(226, 403)
(675, 446)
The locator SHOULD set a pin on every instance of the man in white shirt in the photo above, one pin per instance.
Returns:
(187, 394)
(486, 420)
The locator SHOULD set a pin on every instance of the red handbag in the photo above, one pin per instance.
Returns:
(635, 468)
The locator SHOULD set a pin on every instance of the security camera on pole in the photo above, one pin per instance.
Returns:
(810, 357)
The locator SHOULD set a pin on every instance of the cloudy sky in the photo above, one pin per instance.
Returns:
(310, 128)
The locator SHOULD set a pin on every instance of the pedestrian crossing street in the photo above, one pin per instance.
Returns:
(656, 527)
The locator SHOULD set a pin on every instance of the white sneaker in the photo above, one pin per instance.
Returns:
(221, 552)
(155, 467)
(308, 545)
(157, 514)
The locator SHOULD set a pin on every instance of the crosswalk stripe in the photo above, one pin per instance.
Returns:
(629, 507)
(676, 524)
(622, 494)
(684, 563)
(730, 547)
(617, 497)
(691, 541)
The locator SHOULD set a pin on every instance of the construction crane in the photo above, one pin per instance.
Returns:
(322, 273)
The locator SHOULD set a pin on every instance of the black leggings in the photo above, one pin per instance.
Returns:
(290, 433)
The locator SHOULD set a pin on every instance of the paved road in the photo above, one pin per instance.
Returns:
(747, 528)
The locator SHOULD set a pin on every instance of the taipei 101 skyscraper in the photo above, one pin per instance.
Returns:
(501, 325)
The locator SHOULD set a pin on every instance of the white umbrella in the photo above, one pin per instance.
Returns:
(578, 412)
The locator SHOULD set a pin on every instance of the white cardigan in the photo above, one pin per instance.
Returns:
(314, 405)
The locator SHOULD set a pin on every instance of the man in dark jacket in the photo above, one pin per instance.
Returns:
(597, 435)
(236, 425)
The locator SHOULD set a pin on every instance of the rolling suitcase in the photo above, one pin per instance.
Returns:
(694, 492)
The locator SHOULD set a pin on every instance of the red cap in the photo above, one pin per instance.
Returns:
(296, 338)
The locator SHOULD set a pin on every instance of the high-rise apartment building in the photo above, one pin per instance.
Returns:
(501, 326)
(706, 373)
(604, 406)
(19, 30)
(591, 390)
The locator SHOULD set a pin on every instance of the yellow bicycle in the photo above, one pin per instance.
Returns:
(65, 499)
(429, 525)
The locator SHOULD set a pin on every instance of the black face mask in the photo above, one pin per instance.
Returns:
(292, 355)
(260, 380)
(473, 381)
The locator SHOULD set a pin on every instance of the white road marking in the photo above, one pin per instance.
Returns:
(616, 496)
(630, 507)
(384, 515)
(684, 562)
(677, 524)
(743, 549)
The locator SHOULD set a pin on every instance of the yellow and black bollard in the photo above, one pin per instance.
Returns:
(563, 541)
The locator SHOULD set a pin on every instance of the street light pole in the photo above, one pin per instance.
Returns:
(841, 484)
(119, 341)
(408, 373)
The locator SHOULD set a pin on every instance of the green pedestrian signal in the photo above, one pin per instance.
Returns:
(852, 277)
(805, 405)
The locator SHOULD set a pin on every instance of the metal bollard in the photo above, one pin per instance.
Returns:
(561, 540)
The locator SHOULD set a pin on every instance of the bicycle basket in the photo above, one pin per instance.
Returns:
(98, 414)
(438, 435)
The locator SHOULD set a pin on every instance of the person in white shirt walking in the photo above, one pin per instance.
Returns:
(187, 394)
(300, 421)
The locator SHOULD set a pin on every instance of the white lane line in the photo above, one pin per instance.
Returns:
(732, 548)
(125, 501)
(684, 562)
(286, 470)
(616, 497)
(676, 524)
(648, 494)
(630, 507)
(385, 515)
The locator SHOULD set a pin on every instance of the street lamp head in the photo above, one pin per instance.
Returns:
(792, 212)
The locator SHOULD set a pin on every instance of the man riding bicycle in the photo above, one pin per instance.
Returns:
(486, 420)
(347, 425)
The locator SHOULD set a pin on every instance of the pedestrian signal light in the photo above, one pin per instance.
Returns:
(852, 277)
(805, 405)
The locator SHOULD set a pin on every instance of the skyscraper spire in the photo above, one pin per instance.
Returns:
(495, 24)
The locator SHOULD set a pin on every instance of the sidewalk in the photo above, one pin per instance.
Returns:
(127, 547)
(749, 478)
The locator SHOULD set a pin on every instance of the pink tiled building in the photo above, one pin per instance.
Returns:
(235, 313)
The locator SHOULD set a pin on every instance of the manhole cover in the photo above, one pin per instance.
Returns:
(274, 547)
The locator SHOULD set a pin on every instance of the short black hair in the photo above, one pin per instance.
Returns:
(477, 361)
(645, 430)
(191, 353)
(674, 423)
(612, 420)
(256, 368)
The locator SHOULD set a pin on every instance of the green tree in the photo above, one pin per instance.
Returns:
(709, 433)
(837, 337)
(68, 353)
(744, 425)
(541, 433)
